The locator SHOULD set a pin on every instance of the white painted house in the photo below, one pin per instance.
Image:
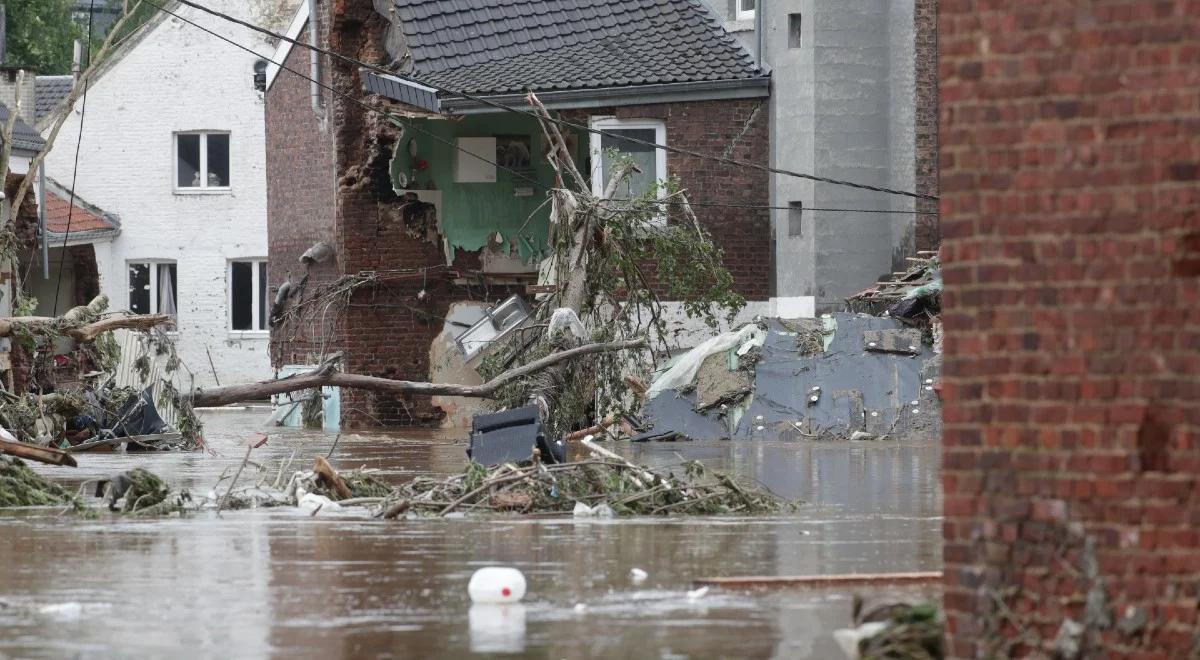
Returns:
(173, 146)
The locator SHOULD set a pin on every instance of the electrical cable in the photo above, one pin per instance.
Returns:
(62, 262)
(501, 106)
(407, 124)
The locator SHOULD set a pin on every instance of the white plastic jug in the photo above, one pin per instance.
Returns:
(496, 584)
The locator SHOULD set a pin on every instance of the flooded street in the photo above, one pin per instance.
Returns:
(279, 583)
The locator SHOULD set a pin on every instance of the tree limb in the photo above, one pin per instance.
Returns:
(83, 333)
(65, 108)
(326, 376)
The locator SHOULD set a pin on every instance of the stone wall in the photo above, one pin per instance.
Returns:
(1070, 156)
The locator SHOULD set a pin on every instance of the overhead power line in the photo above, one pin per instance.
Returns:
(62, 262)
(408, 124)
(508, 108)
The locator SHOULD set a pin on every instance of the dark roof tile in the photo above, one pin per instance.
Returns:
(505, 46)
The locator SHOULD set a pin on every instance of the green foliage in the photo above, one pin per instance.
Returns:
(24, 305)
(41, 34)
(21, 486)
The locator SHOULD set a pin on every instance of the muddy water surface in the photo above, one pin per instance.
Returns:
(279, 583)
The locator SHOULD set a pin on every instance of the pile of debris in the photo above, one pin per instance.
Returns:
(897, 630)
(594, 487)
(92, 416)
(842, 376)
(914, 294)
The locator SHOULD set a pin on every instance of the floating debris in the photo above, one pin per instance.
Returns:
(21, 486)
(600, 484)
(898, 630)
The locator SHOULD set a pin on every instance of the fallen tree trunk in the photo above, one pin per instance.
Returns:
(327, 376)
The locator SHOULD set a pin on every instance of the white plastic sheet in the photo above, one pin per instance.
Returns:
(684, 370)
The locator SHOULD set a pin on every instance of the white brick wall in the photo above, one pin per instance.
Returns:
(179, 78)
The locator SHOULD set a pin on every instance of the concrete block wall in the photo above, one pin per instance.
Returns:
(1070, 156)
(845, 104)
(178, 78)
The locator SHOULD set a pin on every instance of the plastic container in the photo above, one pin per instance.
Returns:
(496, 584)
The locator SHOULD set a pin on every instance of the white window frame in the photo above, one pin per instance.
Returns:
(255, 301)
(203, 188)
(608, 123)
(154, 264)
(744, 14)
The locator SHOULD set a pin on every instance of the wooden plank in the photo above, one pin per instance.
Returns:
(35, 453)
(769, 581)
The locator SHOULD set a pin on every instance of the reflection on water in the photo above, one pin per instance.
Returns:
(281, 583)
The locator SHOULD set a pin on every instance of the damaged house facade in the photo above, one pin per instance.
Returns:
(420, 222)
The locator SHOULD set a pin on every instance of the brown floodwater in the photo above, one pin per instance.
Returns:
(281, 583)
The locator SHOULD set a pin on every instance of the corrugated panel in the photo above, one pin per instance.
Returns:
(132, 345)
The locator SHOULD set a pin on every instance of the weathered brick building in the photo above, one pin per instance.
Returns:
(662, 71)
(1070, 201)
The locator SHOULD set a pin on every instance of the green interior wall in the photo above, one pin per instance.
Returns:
(473, 212)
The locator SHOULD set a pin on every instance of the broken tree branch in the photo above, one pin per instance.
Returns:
(327, 376)
(83, 333)
(66, 107)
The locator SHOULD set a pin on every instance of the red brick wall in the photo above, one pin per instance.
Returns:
(301, 187)
(736, 129)
(1070, 177)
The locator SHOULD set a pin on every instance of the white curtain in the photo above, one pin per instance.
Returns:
(166, 291)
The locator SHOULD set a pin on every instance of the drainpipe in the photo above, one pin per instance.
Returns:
(314, 66)
(760, 8)
(77, 61)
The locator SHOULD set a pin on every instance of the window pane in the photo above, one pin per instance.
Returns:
(643, 156)
(139, 288)
(218, 160)
(188, 161)
(240, 292)
(168, 298)
(262, 295)
(747, 5)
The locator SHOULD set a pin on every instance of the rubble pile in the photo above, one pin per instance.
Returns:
(839, 377)
(914, 294)
(898, 630)
(589, 487)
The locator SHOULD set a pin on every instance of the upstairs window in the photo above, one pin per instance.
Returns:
(616, 142)
(745, 9)
(202, 161)
(153, 287)
(248, 295)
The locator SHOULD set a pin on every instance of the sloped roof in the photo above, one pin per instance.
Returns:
(49, 91)
(24, 137)
(86, 220)
(507, 46)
